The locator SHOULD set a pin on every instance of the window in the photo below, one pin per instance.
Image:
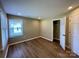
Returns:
(15, 28)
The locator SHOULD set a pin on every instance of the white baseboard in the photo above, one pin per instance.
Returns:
(76, 53)
(23, 41)
(29, 40)
(17, 43)
(6, 52)
(46, 38)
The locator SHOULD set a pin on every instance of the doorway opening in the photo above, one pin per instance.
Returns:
(56, 31)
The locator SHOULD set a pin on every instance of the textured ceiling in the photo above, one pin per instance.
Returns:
(38, 8)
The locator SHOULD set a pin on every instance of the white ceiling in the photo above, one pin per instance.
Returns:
(38, 8)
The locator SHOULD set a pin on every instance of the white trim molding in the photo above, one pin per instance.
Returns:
(46, 38)
(18, 43)
(23, 41)
(75, 52)
(29, 40)
(6, 52)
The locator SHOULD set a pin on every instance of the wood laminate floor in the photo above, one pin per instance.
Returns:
(38, 48)
(1, 54)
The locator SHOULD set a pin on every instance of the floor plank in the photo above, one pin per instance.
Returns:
(38, 48)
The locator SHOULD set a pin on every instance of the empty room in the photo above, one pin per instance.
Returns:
(39, 28)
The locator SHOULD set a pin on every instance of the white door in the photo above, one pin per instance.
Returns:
(62, 32)
(75, 34)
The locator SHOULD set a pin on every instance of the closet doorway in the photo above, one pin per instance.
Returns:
(56, 31)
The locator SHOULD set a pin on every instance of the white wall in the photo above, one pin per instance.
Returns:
(4, 30)
(31, 28)
(4, 33)
(74, 29)
(47, 29)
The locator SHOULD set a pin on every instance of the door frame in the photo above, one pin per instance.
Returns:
(53, 29)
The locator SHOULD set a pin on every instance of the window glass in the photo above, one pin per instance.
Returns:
(15, 28)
